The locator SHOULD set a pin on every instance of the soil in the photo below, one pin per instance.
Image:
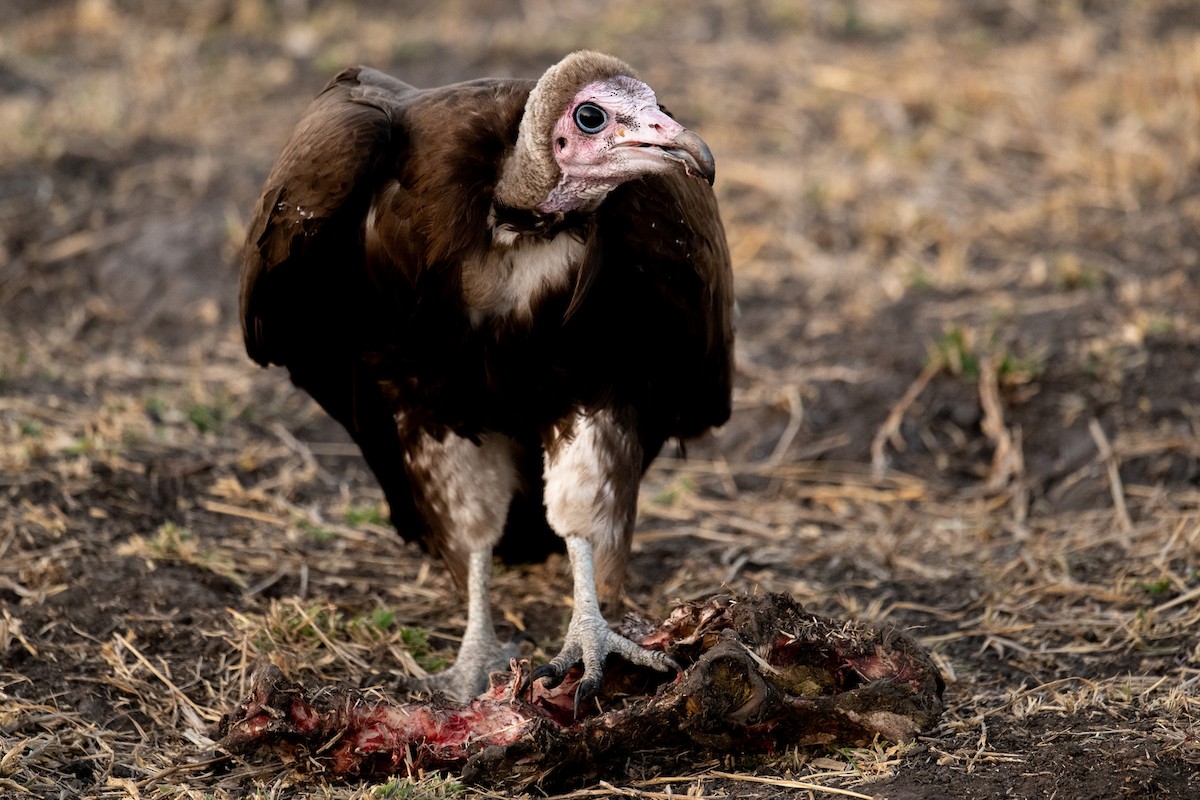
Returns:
(967, 401)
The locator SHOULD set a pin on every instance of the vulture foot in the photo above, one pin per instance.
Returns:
(590, 641)
(468, 677)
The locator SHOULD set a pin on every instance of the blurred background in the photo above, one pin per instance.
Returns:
(966, 251)
(897, 178)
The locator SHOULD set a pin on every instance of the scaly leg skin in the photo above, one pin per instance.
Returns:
(588, 637)
(463, 489)
(480, 653)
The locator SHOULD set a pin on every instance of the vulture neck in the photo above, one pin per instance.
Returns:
(529, 172)
(530, 178)
(528, 185)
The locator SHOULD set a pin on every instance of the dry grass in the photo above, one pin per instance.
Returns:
(965, 245)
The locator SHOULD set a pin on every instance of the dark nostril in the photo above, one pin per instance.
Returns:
(562, 143)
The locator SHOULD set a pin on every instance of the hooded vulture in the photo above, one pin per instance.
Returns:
(511, 294)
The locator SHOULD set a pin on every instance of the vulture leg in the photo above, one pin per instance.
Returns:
(464, 493)
(480, 653)
(593, 468)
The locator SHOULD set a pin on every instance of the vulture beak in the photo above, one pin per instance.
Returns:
(654, 128)
(697, 159)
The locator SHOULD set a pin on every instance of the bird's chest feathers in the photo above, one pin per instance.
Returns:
(518, 272)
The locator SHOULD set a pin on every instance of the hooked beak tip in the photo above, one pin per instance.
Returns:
(695, 155)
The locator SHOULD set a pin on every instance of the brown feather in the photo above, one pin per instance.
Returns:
(368, 273)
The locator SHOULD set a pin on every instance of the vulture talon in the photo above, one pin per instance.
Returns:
(588, 638)
(551, 675)
(588, 688)
(480, 653)
(459, 683)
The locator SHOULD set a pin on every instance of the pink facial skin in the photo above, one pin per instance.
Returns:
(637, 138)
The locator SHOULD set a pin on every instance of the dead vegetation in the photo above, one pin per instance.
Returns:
(967, 404)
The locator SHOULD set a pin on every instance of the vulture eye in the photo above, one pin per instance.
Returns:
(590, 118)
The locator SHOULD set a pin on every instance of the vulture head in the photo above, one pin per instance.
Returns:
(590, 125)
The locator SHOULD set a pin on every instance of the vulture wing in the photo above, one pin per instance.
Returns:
(673, 235)
(305, 293)
(351, 253)
(303, 258)
(656, 318)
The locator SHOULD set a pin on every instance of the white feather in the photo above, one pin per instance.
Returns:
(527, 268)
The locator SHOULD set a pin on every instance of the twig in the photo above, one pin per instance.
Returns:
(1114, 475)
(82, 242)
(203, 713)
(193, 766)
(785, 784)
(299, 448)
(1186, 597)
(245, 513)
(625, 791)
(11, 629)
(606, 789)
(889, 431)
(320, 634)
(796, 409)
(980, 748)
(1008, 462)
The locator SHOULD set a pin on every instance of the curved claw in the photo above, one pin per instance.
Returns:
(590, 641)
(588, 688)
(550, 675)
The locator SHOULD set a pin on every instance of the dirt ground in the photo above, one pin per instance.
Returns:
(966, 247)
